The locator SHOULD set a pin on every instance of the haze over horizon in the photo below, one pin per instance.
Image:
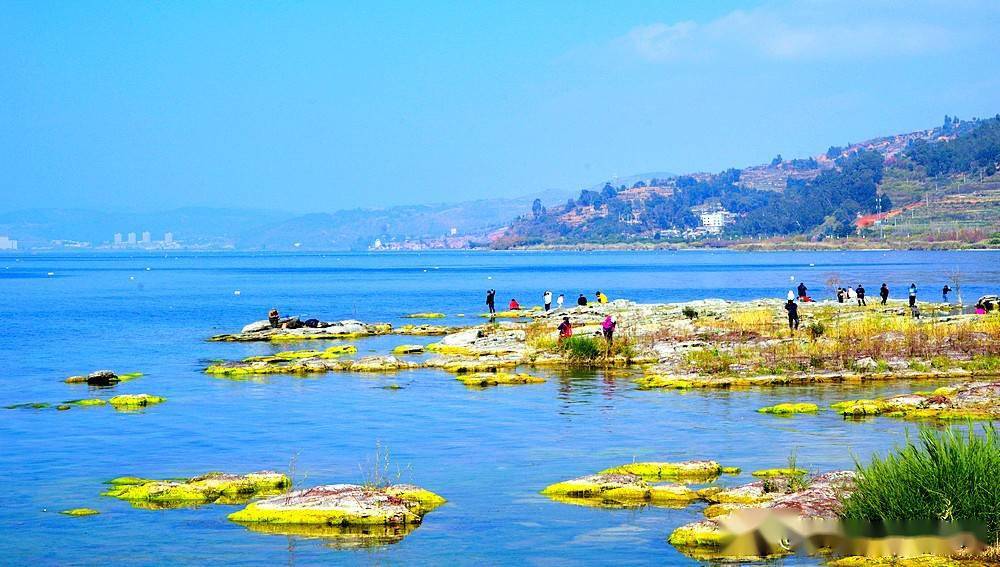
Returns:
(317, 107)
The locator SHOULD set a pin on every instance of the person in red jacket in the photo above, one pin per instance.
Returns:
(565, 329)
(514, 305)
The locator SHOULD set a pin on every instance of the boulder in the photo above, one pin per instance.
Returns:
(221, 488)
(102, 378)
(256, 326)
(343, 505)
(618, 489)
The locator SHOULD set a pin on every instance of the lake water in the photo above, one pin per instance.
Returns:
(488, 452)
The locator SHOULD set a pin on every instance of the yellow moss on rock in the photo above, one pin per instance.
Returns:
(790, 409)
(677, 470)
(408, 349)
(618, 489)
(87, 402)
(80, 512)
(135, 401)
(775, 473)
(449, 349)
(918, 561)
(211, 487)
(699, 534)
(425, 316)
(485, 379)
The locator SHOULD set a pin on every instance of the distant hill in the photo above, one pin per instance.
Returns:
(832, 194)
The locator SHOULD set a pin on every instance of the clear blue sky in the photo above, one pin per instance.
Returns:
(315, 106)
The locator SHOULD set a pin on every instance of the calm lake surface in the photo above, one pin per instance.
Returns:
(488, 452)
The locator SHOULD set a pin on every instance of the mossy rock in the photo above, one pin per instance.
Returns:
(699, 470)
(660, 382)
(408, 349)
(699, 534)
(618, 489)
(779, 473)
(425, 316)
(918, 561)
(29, 405)
(135, 401)
(80, 512)
(789, 409)
(221, 488)
(343, 505)
(485, 379)
(87, 402)
(452, 350)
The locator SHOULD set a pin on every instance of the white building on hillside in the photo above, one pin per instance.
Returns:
(714, 221)
(6, 243)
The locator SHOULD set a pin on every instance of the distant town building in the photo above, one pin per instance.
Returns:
(7, 243)
(453, 231)
(168, 238)
(146, 237)
(118, 240)
(714, 221)
(131, 239)
(378, 244)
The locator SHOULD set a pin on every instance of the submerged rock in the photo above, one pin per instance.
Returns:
(214, 487)
(102, 378)
(29, 405)
(425, 316)
(258, 331)
(619, 490)
(425, 330)
(135, 401)
(484, 379)
(790, 409)
(974, 400)
(343, 505)
(687, 470)
(310, 362)
(80, 512)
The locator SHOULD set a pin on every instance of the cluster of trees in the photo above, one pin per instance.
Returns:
(829, 204)
(974, 151)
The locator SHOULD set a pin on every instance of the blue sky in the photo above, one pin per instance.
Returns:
(317, 106)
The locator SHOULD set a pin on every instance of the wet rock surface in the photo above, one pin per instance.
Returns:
(974, 400)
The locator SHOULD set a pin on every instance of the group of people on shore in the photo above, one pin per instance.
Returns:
(514, 305)
(565, 328)
(845, 294)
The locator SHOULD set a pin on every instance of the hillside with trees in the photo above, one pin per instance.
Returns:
(860, 189)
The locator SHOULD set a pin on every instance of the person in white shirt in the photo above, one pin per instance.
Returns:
(560, 300)
(547, 300)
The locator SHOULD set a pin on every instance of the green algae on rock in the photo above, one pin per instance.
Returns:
(29, 405)
(214, 487)
(619, 490)
(408, 349)
(80, 512)
(103, 378)
(429, 315)
(974, 400)
(313, 364)
(87, 402)
(790, 408)
(774, 473)
(135, 401)
(262, 331)
(485, 379)
(343, 505)
(732, 531)
(687, 470)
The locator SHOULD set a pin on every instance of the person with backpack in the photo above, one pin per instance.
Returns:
(608, 328)
(565, 330)
(793, 315)
(884, 293)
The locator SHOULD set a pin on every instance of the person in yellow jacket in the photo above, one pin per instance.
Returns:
(601, 298)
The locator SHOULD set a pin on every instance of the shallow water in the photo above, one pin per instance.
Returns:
(488, 452)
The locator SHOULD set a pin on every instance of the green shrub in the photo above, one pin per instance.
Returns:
(583, 348)
(690, 312)
(815, 330)
(949, 475)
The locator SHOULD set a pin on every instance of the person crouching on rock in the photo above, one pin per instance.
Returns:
(793, 315)
(514, 305)
(582, 300)
(565, 330)
(273, 317)
(608, 326)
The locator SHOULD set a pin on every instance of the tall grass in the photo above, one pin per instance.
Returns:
(948, 475)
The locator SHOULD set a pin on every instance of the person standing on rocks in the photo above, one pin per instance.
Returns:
(793, 315)
(861, 294)
(944, 293)
(491, 301)
(884, 293)
(913, 294)
(565, 330)
(608, 327)
(547, 300)
(560, 300)
(802, 290)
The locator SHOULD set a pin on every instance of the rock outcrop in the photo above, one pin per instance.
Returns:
(213, 487)
(974, 400)
(262, 331)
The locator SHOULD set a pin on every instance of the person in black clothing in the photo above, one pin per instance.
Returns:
(840, 295)
(491, 298)
(802, 290)
(861, 294)
(884, 293)
(944, 292)
(793, 315)
(582, 300)
(273, 318)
